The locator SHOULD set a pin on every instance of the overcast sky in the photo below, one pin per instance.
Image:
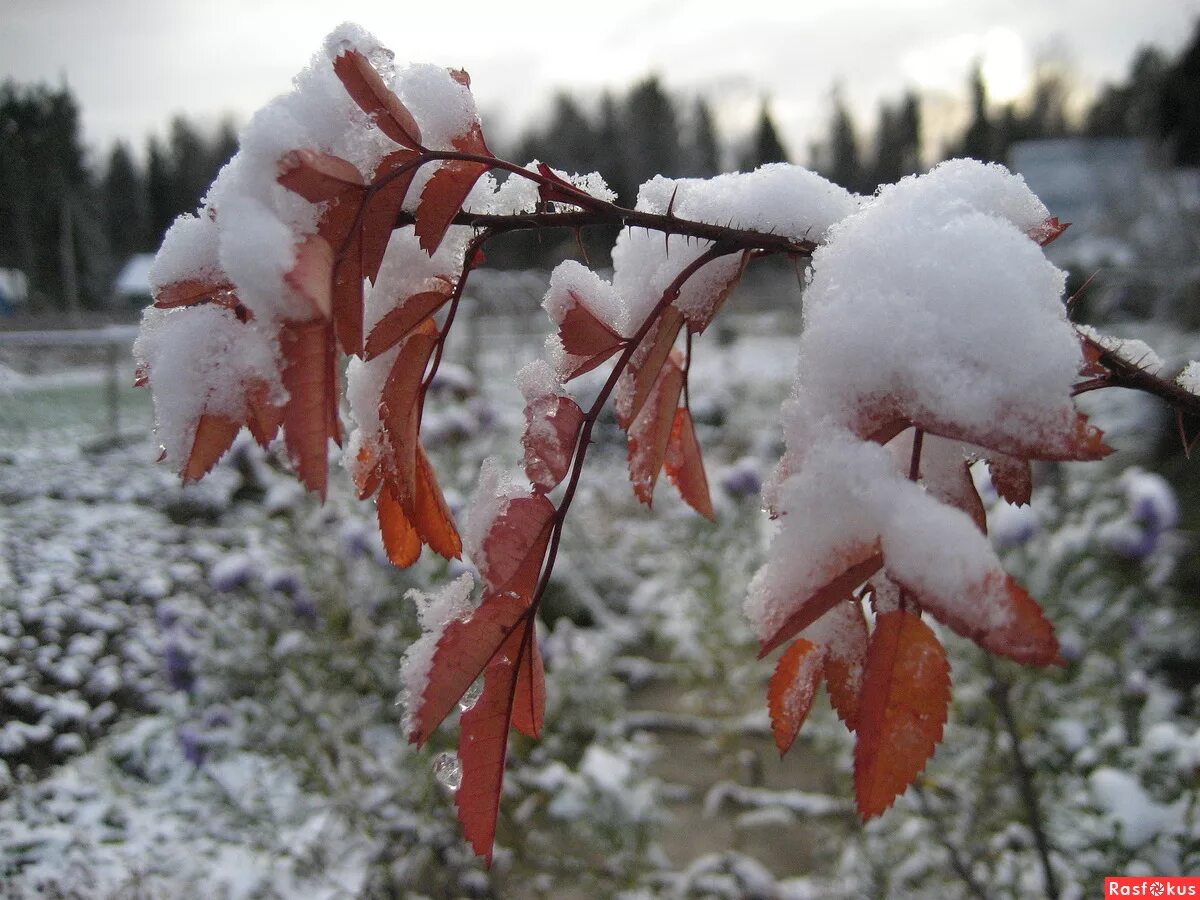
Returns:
(134, 63)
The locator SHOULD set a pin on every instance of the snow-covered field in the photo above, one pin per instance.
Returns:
(198, 685)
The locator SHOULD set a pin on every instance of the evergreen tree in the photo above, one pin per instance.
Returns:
(1180, 105)
(1132, 109)
(610, 139)
(651, 133)
(978, 142)
(842, 164)
(48, 210)
(123, 194)
(766, 147)
(704, 151)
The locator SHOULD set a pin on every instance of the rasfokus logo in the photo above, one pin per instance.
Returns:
(1151, 886)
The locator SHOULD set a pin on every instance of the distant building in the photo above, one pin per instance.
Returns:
(14, 291)
(132, 287)
(1134, 220)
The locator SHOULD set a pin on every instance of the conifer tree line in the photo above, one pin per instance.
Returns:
(68, 220)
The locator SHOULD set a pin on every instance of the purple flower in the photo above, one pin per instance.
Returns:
(232, 572)
(743, 478)
(191, 743)
(178, 663)
(304, 607)
(1127, 539)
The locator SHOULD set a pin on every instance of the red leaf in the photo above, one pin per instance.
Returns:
(190, 292)
(651, 431)
(367, 89)
(1049, 231)
(699, 323)
(214, 435)
(397, 323)
(902, 709)
(310, 414)
(844, 668)
(551, 428)
(442, 200)
(399, 409)
(1025, 634)
(383, 207)
(312, 275)
(482, 749)
(462, 652)
(558, 190)
(318, 176)
(400, 538)
(529, 700)
(1011, 477)
(515, 546)
(265, 417)
(340, 221)
(348, 297)
(685, 466)
(658, 344)
(863, 562)
(432, 518)
(586, 338)
(792, 689)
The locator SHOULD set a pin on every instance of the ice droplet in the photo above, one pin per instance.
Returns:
(471, 697)
(447, 770)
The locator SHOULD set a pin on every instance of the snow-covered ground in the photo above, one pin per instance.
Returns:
(198, 685)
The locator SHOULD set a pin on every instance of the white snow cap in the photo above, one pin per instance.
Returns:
(779, 198)
(933, 296)
(201, 360)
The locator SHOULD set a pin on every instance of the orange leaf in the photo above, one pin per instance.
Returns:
(1025, 634)
(866, 561)
(397, 323)
(844, 669)
(462, 652)
(515, 546)
(432, 517)
(400, 538)
(651, 431)
(310, 414)
(658, 344)
(792, 689)
(902, 709)
(399, 408)
(551, 428)
(383, 207)
(685, 466)
(367, 89)
(318, 176)
(312, 275)
(214, 435)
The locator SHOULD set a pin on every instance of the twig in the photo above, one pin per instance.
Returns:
(961, 868)
(998, 693)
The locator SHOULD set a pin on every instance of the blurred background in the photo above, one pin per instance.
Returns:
(197, 684)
